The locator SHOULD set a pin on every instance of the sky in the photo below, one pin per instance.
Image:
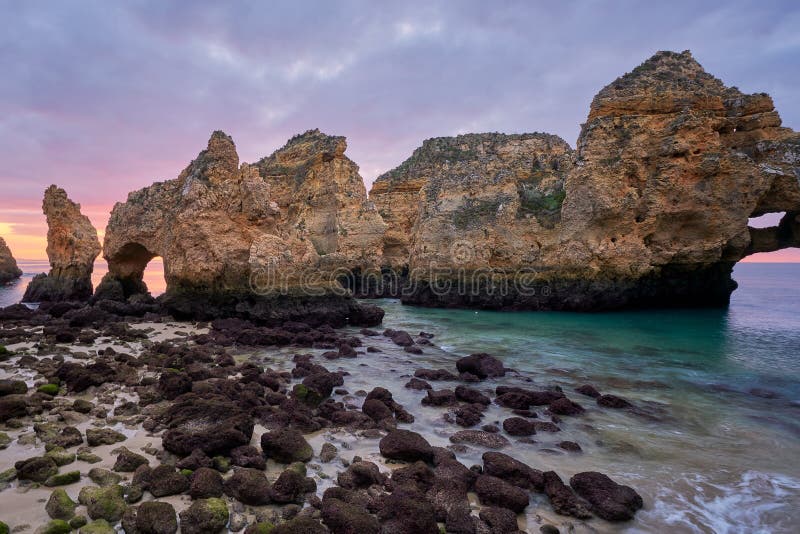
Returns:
(103, 98)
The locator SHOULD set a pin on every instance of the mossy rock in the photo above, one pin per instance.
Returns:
(260, 528)
(60, 506)
(5, 440)
(104, 477)
(89, 457)
(8, 475)
(5, 352)
(103, 503)
(307, 395)
(101, 526)
(78, 521)
(62, 479)
(186, 472)
(3, 527)
(56, 526)
(205, 516)
(48, 389)
(61, 456)
(222, 464)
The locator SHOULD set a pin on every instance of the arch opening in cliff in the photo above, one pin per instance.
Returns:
(126, 273)
(765, 236)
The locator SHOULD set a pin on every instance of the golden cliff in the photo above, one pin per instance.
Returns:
(8, 265)
(651, 209)
(72, 246)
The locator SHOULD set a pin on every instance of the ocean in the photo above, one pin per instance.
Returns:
(714, 445)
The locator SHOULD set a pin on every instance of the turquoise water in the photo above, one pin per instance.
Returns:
(715, 444)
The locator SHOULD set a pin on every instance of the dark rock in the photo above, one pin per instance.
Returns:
(564, 406)
(196, 460)
(612, 401)
(442, 397)
(480, 438)
(481, 365)
(519, 426)
(211, 423)
(360, 475)
(497, 492)
(400, 337)
(588, 390)
(345, 518)
(248, 456)
(248, 486)
(37, 469)
(291, 486)
(471, 395)
(206, 483)
(609, 500)
(418, 475)
(417, 384)
(546, 426)
(79, 378)
(499, 520)
(165, 480)
(406, 445)
(13, 407)
(286, 445)
(563, 500)
(155, 517)
(407, 511)
(128, 461)
(512, 471)
(376, 409)
(103, 436)
(570, 446)
(12, 387)
(434, 374)
(173, 384)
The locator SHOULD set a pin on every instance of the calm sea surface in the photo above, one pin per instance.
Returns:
(715, 446)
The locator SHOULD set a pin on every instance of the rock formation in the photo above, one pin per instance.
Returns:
(651, 209)
(261, 241)
(72, 246)
(8, 265)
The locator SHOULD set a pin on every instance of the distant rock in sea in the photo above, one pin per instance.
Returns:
(8, 265)
(72, 246)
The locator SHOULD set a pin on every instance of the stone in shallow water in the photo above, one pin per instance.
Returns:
(609, 500)
(480, 438)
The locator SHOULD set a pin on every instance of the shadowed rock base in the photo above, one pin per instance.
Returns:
(675, 286)
(334, 310)
(45, 287)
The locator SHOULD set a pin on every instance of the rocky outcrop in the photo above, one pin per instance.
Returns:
(72, 246)
(8, 265)
(261, 241)
(651, 209)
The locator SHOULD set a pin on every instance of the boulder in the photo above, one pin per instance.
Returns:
(205, 516)
(286, 445)
(154, 517)
(609, 500)
(406, 445)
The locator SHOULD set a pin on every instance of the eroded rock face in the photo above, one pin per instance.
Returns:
(258, 241)
(8, 265)
(72, 246)
(651, 209)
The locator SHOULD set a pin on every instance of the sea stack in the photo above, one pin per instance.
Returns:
(651, 209)
(72, 246)
(8, 265)
(260, 241)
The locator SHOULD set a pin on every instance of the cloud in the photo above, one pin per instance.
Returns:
(107, 98)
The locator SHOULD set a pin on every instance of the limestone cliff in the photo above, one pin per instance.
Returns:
(651, 209)
(8, 265)
(249, 240)
(72, 246)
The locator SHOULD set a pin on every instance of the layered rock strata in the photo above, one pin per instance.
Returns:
(72, 246)
(651, 209)
(261, 241)
(8, 265)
